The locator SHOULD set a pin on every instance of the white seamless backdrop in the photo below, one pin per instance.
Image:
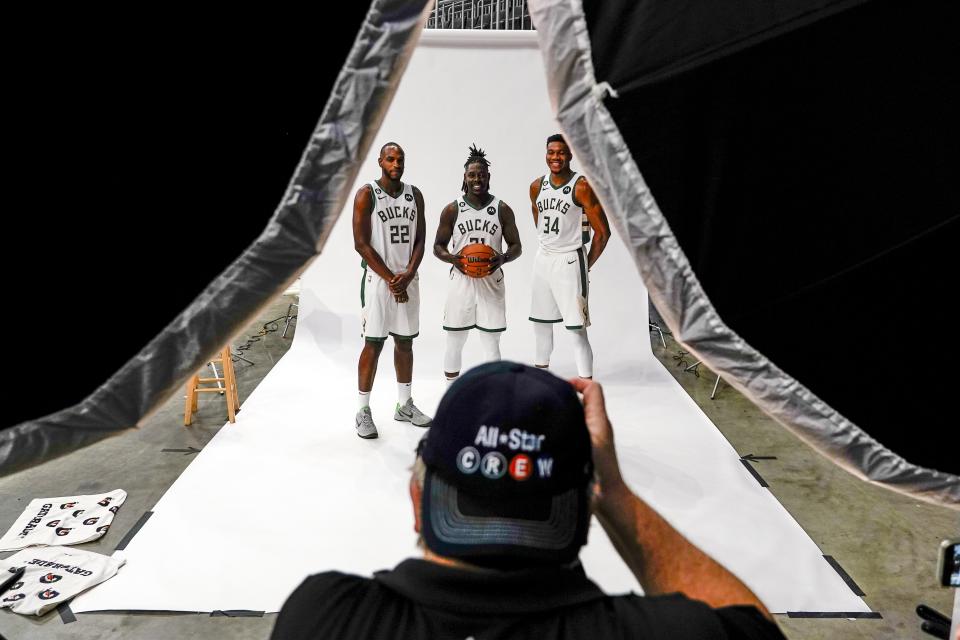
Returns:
(290, 490)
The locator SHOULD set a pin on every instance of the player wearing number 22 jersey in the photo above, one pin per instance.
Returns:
(560, 201)
(475, 303)
(388, 233)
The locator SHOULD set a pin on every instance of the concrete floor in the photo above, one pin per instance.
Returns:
(886, 542)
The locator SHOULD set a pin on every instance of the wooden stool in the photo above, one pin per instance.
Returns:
(229, 388)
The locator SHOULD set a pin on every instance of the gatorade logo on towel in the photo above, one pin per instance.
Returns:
(72, 570)
(63, 520)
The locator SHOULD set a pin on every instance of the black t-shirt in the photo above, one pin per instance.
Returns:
(421, 599)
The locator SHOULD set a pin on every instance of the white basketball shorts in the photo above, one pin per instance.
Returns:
(561, 289)
(382, 314)
(475, 302)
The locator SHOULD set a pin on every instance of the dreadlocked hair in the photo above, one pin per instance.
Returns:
(476, 156)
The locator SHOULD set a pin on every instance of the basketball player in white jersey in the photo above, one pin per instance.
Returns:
(475, 303)
(561, 288)
(388, 233)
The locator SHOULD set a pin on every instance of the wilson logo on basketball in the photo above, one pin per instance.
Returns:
(50, 578)
(49, 594)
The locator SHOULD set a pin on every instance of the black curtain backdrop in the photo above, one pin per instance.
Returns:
(144, 154)
(810, 177)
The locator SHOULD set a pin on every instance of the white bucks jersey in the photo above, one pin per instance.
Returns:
(560, 221)
(393, 226)
(477, 225)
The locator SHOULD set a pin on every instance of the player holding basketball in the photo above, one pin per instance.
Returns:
(389, 233)
(559, 200)
(476, 292)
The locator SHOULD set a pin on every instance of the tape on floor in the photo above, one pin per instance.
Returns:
(66, 614)
(127, 538)
(833, 614)
(236, 613)
(846, 577)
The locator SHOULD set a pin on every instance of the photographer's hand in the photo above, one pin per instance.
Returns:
(601, 439)
(662, 560)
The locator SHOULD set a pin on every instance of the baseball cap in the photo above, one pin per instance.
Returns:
(508, 469)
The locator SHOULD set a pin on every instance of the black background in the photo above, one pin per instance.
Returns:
(811, 181)
(143, 155)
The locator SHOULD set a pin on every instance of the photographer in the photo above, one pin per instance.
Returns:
(502, 492)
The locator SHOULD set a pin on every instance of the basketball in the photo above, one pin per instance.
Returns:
(475, 259)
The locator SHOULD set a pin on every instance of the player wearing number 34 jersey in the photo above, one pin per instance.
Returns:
(560, 200)
(477, 217)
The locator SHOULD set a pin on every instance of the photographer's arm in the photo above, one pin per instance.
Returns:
(662, 560)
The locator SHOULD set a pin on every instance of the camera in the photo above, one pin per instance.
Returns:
(948, 565)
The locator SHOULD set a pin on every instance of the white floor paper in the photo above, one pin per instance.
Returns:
(290, 489)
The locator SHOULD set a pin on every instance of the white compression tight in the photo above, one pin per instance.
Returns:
(452, 357)
(582, 352)
(490, 341)
(543, 335)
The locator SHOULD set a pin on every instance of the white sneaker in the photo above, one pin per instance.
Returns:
(408, 412)
(365, 426)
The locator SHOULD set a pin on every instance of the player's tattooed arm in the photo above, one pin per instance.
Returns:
(510, 235)
(534, 192)
(402, 280)
(441, 243)
(362, 210)
(584, 196)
